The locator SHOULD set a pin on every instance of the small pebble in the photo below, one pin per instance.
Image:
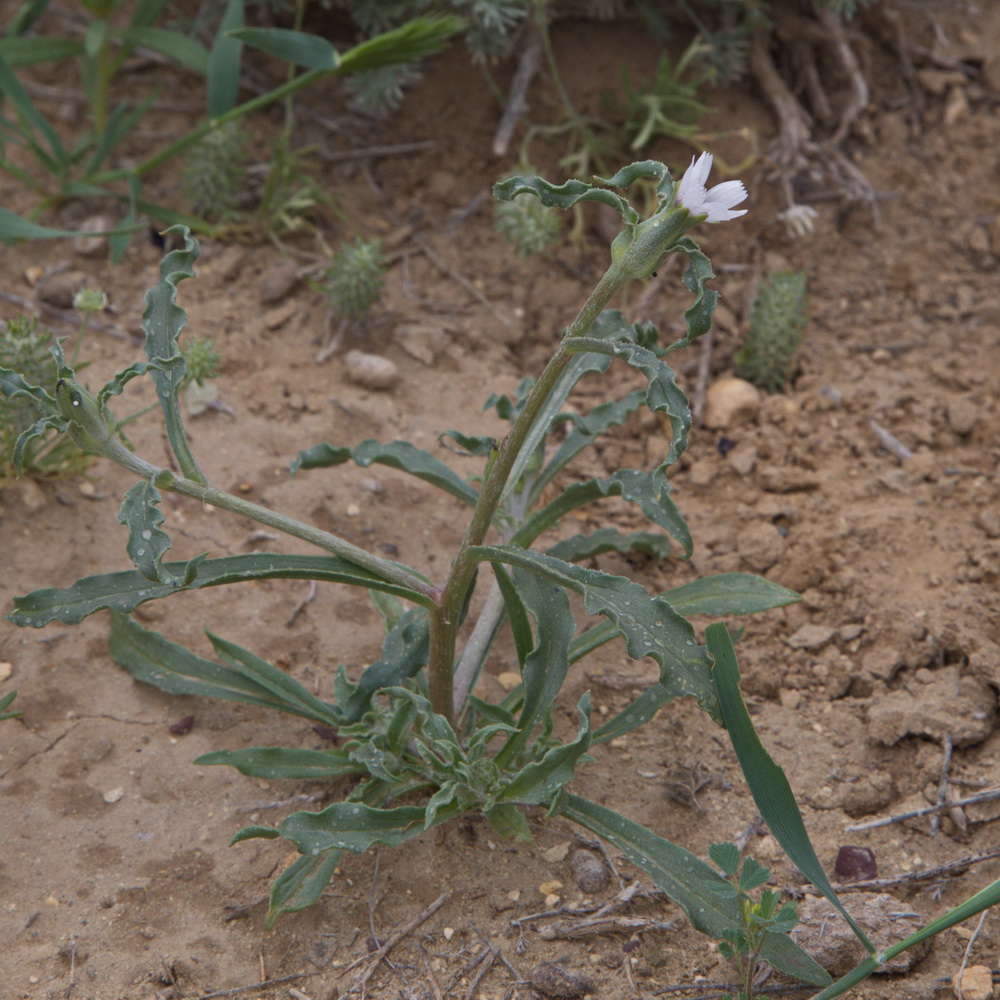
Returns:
(371, 371)
(91, 245)
(115, 795)
(278, 282)
(589, 872)
(6, 669)
(976, 983)
(59, 289)
(553, 980)
(730, 402)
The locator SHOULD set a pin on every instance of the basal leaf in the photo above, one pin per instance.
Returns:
(151, 658)
(284, 762)
(301, 884)
(353, 826)
(691, 883)
(649, 625)
(125, 591)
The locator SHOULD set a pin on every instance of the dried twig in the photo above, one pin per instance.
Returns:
(256, 986)
(375, 958)
(929, 811)
(889, 441)
(486, 962)
(968, 951)
(942, 795)
(948, 869)
(605, 925)
(301, 606)
(517, 102)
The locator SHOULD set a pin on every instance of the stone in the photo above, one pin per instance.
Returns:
(965, 707)
(824, 933)
(93, 245)
(743, 458)
(786, 479)
(811, 637)
(760, 546)
(589, 871)
(729, 403)
(855, 864)
(963, 415)
(371, 371)
(278, 282)
(59, 289)
(553, 980)
(421, 341)
(976, 983)
(988, 518)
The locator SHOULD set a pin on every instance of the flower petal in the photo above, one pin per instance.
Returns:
(716, 205)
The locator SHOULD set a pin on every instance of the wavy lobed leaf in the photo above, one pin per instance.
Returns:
(649, 625)
(147, 541)
(126, 590)
(579, 547)
(564, 196)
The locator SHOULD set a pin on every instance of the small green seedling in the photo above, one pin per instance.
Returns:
(778, 316)
(759, 917)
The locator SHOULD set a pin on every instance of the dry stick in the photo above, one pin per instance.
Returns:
(701, 381)
(408, 928)
(490, 957)
(301, 606)
(953, 868)
(396, 149)
(849, 63)
(929, 811)
(429, 973)
(517, 102)
(889, 441)
(942, 795)
(968, 952)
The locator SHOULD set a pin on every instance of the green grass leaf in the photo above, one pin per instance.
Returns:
(284, 762)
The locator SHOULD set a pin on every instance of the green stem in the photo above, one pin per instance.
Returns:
(112, 448)
(444, 621)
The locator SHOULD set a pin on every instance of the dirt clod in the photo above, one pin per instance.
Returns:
(552, 980)
(589, 871)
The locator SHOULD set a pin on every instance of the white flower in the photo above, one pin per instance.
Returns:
(716, 204)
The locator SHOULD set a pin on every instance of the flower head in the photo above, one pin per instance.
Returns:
(717, 205)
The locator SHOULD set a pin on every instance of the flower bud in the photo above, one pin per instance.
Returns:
(90, 424)
(639, 250)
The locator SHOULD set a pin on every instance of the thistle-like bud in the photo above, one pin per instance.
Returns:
(90, 424)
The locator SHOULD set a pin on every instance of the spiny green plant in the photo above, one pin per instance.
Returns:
(528, 224)
(25, 347)
(779, 314)
(355, 278)
(214, 176)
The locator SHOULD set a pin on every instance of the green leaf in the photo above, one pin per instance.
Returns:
(355, 827)
(649, 625)
(726, 856)
(509, 822)
(223, 69)
(286, 691)
(404, 652)
(650, 491)
(663, 395)
(688, 881)
(698, 317)
(627, 176)
(767, 781)
(753, 875)
(184, 51)
(581, 547)
(397, 455)
(301, 884)
(309, 51)
(564, 196)
(517, 613)
(125, 591)
(283, 762)
(478, 444)
(19, 51)
(5, 703)
(163, 321)
(538, 782)
(28, 113)
(638, 713)
(147, 542)
(729, 594)
(545, 667)
(417, 39)
(151, 658)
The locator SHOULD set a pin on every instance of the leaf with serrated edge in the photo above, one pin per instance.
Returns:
(564, 195)
(147, 541)
(649, 625)
(126, 590)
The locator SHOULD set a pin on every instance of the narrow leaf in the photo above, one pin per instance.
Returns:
(151, 658)
(308, 51)
(766, 780)
(147, 541)
(564, 196)
(184, 51)
(281, 762)
(125, 591)
(692, 884)
(581, 547)
(223, 70)
(698, 317)
(354, 826)
(17, 51)
(301, 884)
(397, 455)
(729, 594)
